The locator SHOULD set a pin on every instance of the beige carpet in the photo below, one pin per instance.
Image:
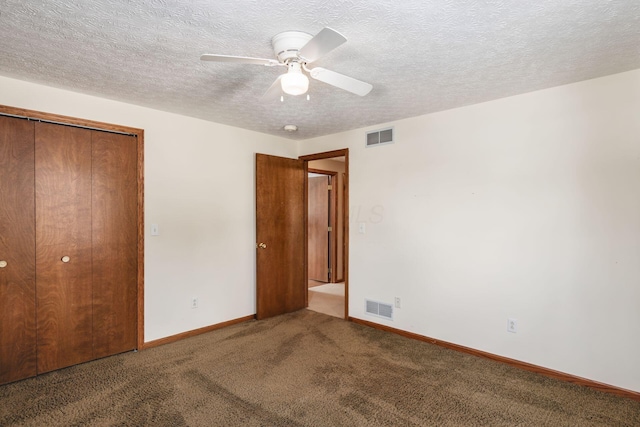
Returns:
(304, 369)
(330, 289)
(328, 299)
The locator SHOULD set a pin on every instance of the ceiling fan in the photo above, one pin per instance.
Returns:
(294, 50)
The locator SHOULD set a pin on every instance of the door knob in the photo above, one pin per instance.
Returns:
(65, 259)
(262, 245)
(3, 264)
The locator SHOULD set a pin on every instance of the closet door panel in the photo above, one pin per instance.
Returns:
(63, 229)
(115, 250)
(17, 251)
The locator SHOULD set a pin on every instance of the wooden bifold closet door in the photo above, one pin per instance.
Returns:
(63, 246)
(114, 208)
(17, 251)
(69, 197)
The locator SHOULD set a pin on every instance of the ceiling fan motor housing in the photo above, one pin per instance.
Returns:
(287, 44)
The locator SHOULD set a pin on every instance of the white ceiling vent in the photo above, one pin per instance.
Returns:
(378, 309)
(380, 137)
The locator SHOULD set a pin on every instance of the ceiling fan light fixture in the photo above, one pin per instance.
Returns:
(294, 50)
(294, 82)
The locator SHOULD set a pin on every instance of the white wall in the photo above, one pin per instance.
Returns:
(199, 188)
(525, 207)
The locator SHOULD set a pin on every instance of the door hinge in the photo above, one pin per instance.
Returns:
(329, 187)
(330, 228)
(329, 270)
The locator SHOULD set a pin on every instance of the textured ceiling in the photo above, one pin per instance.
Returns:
(421, 56)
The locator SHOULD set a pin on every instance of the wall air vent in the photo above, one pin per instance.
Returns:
(380, 137)
(378, 309)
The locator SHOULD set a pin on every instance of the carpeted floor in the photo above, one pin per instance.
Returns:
(304, 369)
(327, 298)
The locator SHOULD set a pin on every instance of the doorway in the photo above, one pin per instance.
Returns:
(281, 233)
(322, 215)
(327, 232)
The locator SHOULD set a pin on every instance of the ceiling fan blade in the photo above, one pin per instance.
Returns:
(323, 42)
(274, 92)
(341, 81)
(238, 59)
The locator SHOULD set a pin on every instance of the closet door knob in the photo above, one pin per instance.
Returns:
(65, 259)
(3, 264)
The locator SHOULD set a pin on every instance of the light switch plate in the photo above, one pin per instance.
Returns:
(155, 230)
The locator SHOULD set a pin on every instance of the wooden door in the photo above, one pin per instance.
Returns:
(17, 251)
(114, 242)
(341, 216)
(281, 234)
(63, 229)
(318, 228)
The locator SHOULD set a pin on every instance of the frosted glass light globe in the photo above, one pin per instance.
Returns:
(294, 82)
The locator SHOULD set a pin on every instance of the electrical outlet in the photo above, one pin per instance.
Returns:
(398, 302)
(194, 302)
(512, 325)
